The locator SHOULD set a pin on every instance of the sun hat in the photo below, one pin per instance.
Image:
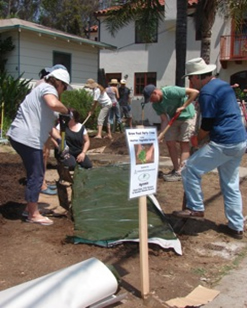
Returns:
(62, 75)
(114, 81)
(123, 81)
(56, 67)
(91, 84)
(198, 66)
(147, 91)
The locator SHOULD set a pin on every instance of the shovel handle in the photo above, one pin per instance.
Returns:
(86, 120)
(161, 135)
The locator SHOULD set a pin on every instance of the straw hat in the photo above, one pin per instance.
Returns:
(114, 81)
(198, 66)
(91, 84)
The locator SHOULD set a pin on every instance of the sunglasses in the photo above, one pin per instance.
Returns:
(65, 86)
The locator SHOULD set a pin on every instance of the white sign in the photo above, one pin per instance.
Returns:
(144, 156)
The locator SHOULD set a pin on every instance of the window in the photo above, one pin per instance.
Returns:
(143, 79)
(110, 76)
(62, 58)
(141, 35)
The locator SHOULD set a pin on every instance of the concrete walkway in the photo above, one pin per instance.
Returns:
(233, 289)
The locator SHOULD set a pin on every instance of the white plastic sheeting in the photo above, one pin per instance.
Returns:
(79, 285)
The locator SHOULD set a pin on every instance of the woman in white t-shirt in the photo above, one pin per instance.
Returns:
(100, 96)
(29, 131)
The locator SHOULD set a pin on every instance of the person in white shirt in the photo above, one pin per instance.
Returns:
(29, 131)
(100, 96)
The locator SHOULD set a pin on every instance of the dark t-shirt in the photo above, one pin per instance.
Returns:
(75, 141)
(218, 101)
(124, 93)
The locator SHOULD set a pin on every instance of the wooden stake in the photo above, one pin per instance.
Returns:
(144, 266)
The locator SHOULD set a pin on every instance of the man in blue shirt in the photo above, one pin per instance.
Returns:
(222, 123)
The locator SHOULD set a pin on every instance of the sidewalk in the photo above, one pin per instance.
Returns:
(233, 289)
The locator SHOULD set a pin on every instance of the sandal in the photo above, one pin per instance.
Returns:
(41, 221)
(48, 191)
(98, 137)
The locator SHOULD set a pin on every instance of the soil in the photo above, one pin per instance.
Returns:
(30, 251)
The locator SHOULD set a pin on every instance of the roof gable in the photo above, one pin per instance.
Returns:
(19, 24)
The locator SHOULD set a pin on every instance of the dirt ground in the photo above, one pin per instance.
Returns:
(30, 251)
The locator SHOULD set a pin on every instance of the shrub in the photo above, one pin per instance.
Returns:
(81, 100)
(12, 93)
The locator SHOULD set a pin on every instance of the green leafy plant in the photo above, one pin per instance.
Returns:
(12, 93)
(240, 94)
(81, 100)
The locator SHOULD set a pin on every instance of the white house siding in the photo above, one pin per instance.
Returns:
(36, 53)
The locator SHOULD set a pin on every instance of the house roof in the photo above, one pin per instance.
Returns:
(19, 24)
(191, 3)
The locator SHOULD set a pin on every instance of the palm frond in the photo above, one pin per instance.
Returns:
(146, 14)
(205, 15)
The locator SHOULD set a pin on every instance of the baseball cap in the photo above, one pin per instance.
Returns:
(123, 81)
(198, 66)
(147, 91)
(62, 75)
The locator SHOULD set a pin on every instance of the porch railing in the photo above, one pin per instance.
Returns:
(233, 47)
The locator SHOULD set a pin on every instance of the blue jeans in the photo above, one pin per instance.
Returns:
(115, 111)
(226, 158)
(33, 162)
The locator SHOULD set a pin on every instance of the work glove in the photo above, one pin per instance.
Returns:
(62, 154)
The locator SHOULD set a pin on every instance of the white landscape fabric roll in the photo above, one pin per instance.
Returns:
(79, 285)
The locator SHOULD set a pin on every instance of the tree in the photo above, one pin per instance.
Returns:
(181, 41)
(204, 19)
(145, 13)
(234, 9)
(69, 16)
(6, 46)
(18, 9)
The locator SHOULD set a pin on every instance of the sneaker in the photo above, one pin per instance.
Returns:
(171, 172)
(189, 214)
(225, 229)
(173, 176)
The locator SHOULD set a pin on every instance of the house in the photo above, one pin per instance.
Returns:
(38, 47)
(141, 63)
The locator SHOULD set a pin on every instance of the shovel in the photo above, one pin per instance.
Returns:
(161, 135)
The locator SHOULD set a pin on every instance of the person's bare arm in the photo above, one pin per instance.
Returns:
(86, 146)
(192, 95)
(117, 93)
(164, 121)
(55, 105)
(93, 108)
